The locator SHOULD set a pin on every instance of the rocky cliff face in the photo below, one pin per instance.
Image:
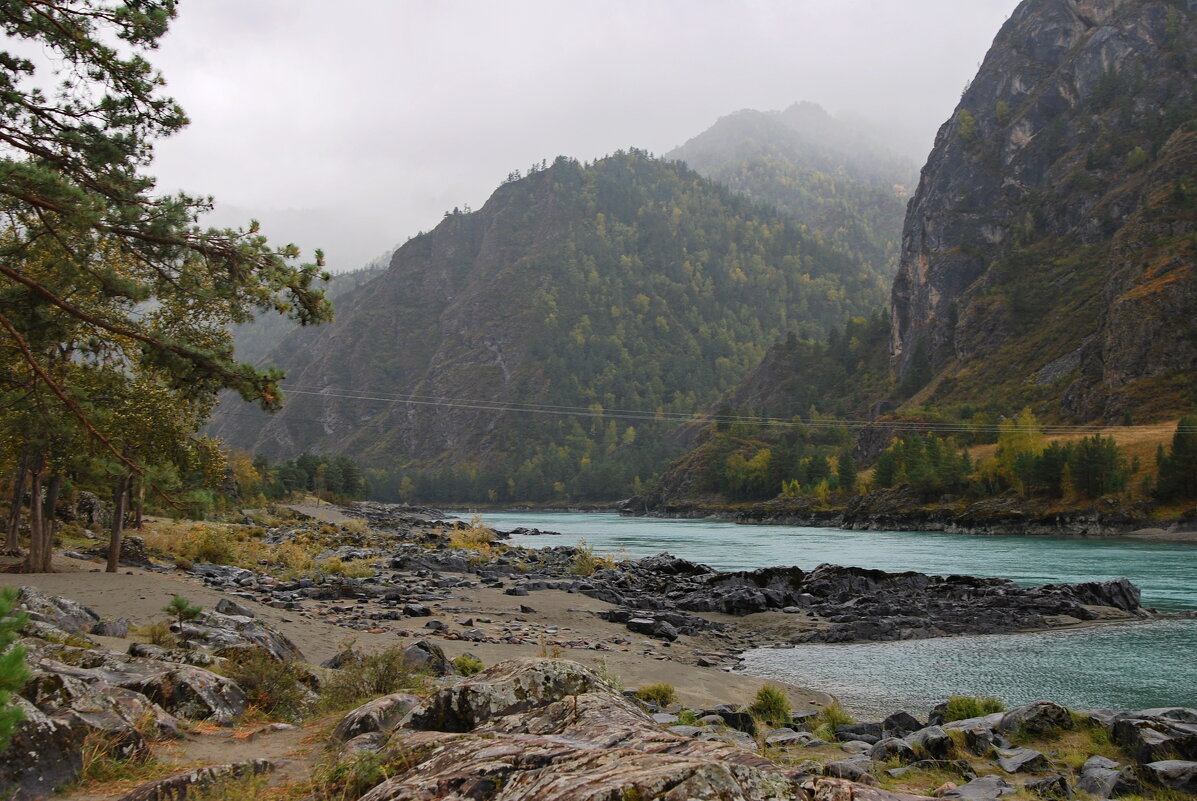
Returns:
(1048, 252)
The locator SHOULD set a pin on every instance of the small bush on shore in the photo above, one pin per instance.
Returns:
(771, 706)
(279, 689)
(550, 650)
(661, 694)
(475, 538)
(587, 562)
(364, 677)
(157, 632)
(823, 724)
(356, 526)
(468, 664)
(963, 707)
(604, 672)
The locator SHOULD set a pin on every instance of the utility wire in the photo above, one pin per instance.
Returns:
(597, 411)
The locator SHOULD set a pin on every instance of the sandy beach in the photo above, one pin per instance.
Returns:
(139, 595)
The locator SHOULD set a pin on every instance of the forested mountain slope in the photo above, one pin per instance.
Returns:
(1048, 256)
(630, 283)
(829, 175)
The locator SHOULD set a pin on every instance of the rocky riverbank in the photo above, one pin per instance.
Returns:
(411, 576)
(532, 729)
(901, 509)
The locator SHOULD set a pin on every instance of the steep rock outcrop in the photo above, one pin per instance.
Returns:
(1050, 241)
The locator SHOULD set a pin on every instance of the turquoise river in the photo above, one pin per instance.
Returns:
(1130, 666)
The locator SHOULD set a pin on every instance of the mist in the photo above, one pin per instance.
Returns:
(353, 127)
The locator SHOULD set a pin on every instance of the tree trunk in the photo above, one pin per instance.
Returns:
(140, 506)
(119, 500)
(11, 541)
(34, 559)
(49, 523)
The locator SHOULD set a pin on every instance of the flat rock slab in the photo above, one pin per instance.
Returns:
(179, 785)
(1023, 760)
(1175, 773)
(986, 788)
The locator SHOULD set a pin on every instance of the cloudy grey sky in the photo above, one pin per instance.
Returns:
(353, 125)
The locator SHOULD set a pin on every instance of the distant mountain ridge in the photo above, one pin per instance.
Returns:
(630, 283)
(833, 176)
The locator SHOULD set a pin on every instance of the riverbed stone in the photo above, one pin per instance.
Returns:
(892, 748)
(1022, 760)
(380, 715)
(1055, 786)
(983, 788)
(1178, 774)
(932, 741)
(1157, 734)
(1037, 719)
(1101, 777)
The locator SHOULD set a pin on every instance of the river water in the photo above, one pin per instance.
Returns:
(1121, 667)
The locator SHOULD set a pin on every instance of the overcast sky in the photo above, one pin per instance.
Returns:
(353, 125)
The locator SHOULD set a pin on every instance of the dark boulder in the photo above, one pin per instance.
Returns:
(1037, 719)
(380, 715)
(428, 657)
(1104, 778)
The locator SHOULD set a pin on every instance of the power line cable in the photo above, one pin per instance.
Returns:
(597, 411)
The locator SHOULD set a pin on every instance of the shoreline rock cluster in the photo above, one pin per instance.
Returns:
(901, 509)
(661, 597)
(551, 730)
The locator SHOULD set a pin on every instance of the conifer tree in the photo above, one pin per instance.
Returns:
(13, 672)
(1178, 465)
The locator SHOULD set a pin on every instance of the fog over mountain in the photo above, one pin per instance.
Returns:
(353, 131)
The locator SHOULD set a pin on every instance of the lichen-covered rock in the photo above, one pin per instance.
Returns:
(132, 709)
(45, 752)
(380, 715)
(550, 730)
(232, 632)
(192, 692)
(62, 613)
(531, 768)
(504, 689)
